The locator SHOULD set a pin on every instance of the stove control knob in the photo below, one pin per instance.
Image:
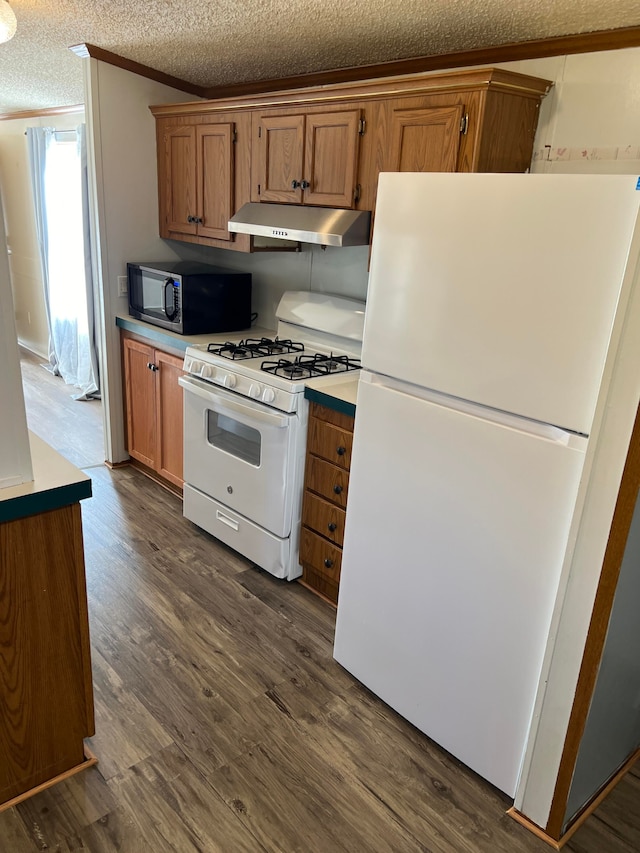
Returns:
(254, 390)
(229, 381)
(207, 371)
(188, 365)
(268, 395)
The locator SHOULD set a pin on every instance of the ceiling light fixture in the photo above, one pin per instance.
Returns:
(8, 21)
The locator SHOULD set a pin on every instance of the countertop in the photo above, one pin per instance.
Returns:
(56, 483)
(335, 392)
(171, 341)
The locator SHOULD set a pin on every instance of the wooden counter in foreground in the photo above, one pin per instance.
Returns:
(46, 693)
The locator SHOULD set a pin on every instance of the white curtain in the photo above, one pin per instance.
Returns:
(58, 173)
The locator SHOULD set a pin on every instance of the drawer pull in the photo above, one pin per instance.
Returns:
(332, 526)
(337, 489)
(341, 450)
(328, 563)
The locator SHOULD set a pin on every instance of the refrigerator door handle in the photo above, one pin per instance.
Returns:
(537, 429)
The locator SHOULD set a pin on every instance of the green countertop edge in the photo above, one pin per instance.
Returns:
(153, 334)
(330, 402)
(26, 505)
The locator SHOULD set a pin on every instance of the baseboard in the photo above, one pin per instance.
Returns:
(558, 843)
(89, 760)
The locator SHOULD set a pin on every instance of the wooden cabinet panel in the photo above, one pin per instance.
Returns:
(215, 170)
(153, 404)
(330, 442)
(180, 169)
(306, 158)
(140, 401)
(169, 417)
(204, 176)
(320, 554)
(327, 480)
(281, 140)
(426, 140)
(331, 157)
(327, 518)
(47, 694)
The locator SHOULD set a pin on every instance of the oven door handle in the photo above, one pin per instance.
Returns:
(222, 402)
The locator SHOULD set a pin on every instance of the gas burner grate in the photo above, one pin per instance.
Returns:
(308, 366)
(255, 348)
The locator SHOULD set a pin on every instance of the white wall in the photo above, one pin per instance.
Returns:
(24, 256)
(15, 454)
(124, 200)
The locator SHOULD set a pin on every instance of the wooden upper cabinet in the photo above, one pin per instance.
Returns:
(199, 179)
(312, 146)
(215, 172)
(426, 139)
(180, 187)
(307, 158)
(278, 156)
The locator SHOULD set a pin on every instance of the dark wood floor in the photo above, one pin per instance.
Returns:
(223, 723)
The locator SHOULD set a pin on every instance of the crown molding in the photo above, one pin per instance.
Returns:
(85, 51)
(617, 39)
(44, 112)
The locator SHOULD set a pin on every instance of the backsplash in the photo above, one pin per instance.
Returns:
(343, 271)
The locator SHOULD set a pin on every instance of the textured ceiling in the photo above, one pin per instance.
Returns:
(215, 42)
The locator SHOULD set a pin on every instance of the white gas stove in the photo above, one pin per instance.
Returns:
(246, 420)
(318, 335)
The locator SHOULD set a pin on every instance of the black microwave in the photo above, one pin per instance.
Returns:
(189, 298)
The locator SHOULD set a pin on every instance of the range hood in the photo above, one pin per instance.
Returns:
(324, 226)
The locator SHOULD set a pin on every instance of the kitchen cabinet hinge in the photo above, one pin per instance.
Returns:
(259, 131)
(234, 135)
(258, 189)
(464, 123)
(361, 126)
(356, 193)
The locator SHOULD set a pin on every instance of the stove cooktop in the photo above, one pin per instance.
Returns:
(292, 362)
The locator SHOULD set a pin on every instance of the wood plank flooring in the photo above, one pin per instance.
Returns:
(73, 427)
(223, 724)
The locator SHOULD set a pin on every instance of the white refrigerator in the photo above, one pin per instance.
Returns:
(489, 314)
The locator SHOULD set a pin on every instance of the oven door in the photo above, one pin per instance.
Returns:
(241, 453)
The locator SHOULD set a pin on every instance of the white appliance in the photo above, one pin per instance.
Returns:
(489, 313)
(245, 424)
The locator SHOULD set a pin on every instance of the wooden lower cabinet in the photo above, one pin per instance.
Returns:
(46, 691)
(326, 485)
(153, 405)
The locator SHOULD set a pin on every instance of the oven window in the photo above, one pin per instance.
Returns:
(234, 437)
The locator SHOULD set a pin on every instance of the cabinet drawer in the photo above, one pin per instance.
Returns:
(321, 555)
(325, 518)
(330, 442)
(327, 480)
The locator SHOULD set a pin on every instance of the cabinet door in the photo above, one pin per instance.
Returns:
(215, 176)
(139, 383)
(426, 139)
(280, 146)
(331, 158)
(180, 169)
(169, 418)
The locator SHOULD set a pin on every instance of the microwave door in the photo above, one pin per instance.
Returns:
(151, 294)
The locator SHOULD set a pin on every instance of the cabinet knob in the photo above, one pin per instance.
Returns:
(332, 526)
(341, 451)
(191, 219)
(304, 185)
(328, 563)
(152, 366)
(337, 489)
(295, 185)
